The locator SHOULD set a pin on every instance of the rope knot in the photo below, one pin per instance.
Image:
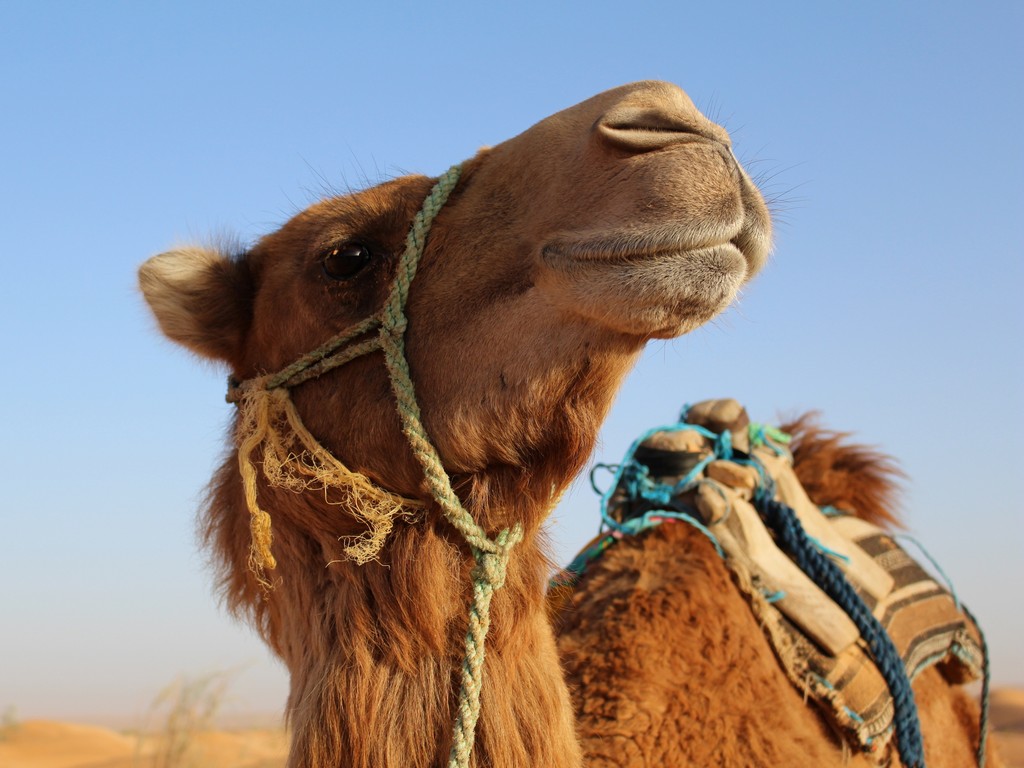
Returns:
(238, 390)
(490, 570)
(492, 567)
(394, 325)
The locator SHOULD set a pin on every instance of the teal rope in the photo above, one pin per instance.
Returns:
(491, 556)
(656, 517)
(638, 482)
(635, 478)
(573, 572)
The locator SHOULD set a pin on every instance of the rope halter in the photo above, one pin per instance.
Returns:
(265, 408)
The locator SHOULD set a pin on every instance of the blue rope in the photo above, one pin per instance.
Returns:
(826, 574)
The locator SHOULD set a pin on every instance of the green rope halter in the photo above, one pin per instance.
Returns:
(491, 555)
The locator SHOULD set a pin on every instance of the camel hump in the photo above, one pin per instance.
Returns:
(721, 473)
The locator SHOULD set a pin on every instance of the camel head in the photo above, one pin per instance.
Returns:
(556, 257)
(560, 253)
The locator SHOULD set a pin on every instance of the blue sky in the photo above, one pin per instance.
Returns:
(888, 136)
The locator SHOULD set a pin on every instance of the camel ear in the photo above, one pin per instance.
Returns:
(202, 299)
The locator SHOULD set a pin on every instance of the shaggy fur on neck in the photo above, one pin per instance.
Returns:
(374, 650)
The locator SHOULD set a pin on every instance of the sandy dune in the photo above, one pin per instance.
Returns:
(43, 743)
(1008, 722)
(47, 744)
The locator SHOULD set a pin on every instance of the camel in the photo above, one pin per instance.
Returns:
(669, 666)
(557, 255)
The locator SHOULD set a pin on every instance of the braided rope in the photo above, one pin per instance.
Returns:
(491, 556)
(488, 577)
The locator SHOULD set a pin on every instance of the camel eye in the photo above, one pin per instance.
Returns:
(345, 261)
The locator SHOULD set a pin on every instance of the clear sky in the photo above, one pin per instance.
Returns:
(887, 134)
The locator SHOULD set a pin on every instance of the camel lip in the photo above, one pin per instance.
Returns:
(630, 252)
(646, 294)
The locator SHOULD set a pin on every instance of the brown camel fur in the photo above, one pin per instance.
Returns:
(559, 255)
(668, 666)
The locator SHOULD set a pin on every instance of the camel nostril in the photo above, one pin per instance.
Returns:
(644, 129)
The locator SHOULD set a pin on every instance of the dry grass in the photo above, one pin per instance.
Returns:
(182, 710)
(178, 731)
(8, 723)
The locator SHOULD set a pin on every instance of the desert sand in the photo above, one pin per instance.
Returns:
(49, 744)
(1008, 722)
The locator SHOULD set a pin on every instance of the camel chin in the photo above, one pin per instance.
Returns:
(659, 295)
(638, 216)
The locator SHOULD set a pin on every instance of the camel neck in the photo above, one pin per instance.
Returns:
(375, 654)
